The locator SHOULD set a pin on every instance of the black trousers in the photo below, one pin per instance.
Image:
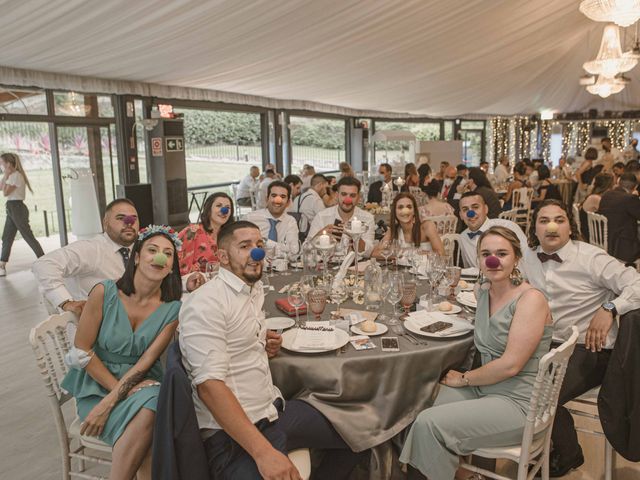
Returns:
(18, 221)
(585, 371)
(298, 426)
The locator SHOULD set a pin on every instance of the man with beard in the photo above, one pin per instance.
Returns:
(246, 429)
(67, 275)
(333, 219)
(586, 288)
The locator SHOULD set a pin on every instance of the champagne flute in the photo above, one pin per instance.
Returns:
(386, 251)
(295, 297)
(394, 294)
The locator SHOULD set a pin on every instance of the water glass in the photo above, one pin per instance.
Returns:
(295, 297)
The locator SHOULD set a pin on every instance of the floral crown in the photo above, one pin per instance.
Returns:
(164, 229)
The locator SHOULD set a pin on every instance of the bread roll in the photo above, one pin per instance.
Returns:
(445, 307)
(368, 326)
(463, 284)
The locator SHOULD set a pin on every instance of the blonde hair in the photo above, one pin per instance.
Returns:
(14, 160)
(505, 233)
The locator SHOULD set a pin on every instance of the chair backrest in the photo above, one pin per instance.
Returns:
(452, 251)
(546, 389)
(522, 198)
(511, 215)
(415, 190)
(598, 230)
(446, 224)
(576, 215)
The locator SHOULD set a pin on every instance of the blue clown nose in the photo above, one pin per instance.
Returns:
(471, 214)
(224, 210)
(257, 254)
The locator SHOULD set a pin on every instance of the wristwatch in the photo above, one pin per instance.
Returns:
(61, 306)
(610, 307)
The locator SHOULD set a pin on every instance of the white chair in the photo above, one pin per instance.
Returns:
(511, 215)
(522, 203)
(50, 343)
(536, 439)
(446, 224)
(575, 209)
(302, 461)
(452, 251)
(590, 399)
(239, 208)
(598, 230)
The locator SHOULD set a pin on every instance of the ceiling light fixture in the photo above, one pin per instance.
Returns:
(605, 87)
(610, 60)
(620, 12)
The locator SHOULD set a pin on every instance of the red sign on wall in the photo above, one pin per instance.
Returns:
(156, 147)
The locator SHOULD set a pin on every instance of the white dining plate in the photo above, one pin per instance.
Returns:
(455, 308)
(467, 298)
(468, 288)
(458, 327)
(279, 323)
(288, 337)
(380, 329)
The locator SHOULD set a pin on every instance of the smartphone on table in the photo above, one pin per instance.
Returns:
(390, 344)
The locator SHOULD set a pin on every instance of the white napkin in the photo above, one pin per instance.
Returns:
(470, 272)
(319, 336)
(468, 298)
(348, 259)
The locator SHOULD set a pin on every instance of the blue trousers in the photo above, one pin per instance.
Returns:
(298, 426)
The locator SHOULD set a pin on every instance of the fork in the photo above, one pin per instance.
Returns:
(419, 341)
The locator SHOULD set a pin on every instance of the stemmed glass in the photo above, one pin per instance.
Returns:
(295, 298)
(317, 299)
(355, 229)
(270, 253)
(409, 290)
(453, 278)
(394, 295)
(293, 254)
(339, 293)
(326, 245)
(386, 252)
(307, 283)
(211, 270)
(435, 272)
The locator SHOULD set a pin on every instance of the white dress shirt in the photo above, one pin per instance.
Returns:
(222, 337)
(328, 217)
(17, 180)
(246, 186)
(469, 245)
(287, 227)
(309, 204)
(501, 174)
(577, 287)
(70, 272)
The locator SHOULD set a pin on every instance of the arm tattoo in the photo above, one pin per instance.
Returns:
(128, 384)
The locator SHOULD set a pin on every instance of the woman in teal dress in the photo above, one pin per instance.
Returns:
(124, 328)
(486, 406)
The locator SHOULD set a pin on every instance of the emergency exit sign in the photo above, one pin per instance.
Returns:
(174, 144)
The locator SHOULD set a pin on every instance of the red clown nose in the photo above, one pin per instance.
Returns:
(492, 261)
(348, 201)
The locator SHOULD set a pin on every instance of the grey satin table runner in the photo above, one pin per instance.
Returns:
(369, 395)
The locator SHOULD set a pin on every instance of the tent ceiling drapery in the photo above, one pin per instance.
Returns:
(432, 58)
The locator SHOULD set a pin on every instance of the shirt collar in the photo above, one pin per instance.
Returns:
(114, 246)
(565, 253)
(236, 283)
(482, 228)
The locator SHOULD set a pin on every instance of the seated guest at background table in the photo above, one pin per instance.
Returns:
(116, 370)
(519, 181)
(603, 182)
(269, 176)
(307, 172)
(247, 186)
(199, 239)
(618, 169)
(440, 173)
(275, 224)
(486, 406)
(310, 203)
(295, 183)
(330, 198)
(225, 347)
(332, 220)
(621, 206)
(546, 188)
(473, 212)
(434, 206)
(631, 152)
(608, 156)
(375, 189)
(67, 275)
(586, 173)
(462, 176)
(408, 229)
(586, 288)
(450, 176)
(425, 178)
(411, 177)
(346, 170)
(479, 183)
(502, 170)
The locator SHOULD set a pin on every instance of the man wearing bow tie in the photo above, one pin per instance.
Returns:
(587, 288)
(474, 212)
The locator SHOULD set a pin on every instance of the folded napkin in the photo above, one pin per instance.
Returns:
(467, 298)
(342, 272)
(470, 272)
(320, 336)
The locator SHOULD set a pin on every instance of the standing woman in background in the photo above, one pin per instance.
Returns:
(14, 184)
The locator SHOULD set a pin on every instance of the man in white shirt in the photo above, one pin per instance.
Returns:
(247, 187)
(225, 348)
(586, 288)
(501, 172)
(608, 155)
(332, 220)
(274, 222)
(269, 176)
(310, 203)
(473, 212)
(295, 182)
(67, 275)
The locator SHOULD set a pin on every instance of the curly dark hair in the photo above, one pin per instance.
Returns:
(533, 239)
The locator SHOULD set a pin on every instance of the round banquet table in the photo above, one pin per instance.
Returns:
(368, 395)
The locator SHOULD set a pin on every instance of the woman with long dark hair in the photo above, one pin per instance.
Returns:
(546, 188)
(407, 228)
(115, 365)
(14, 183)
(199, 245)
(411, 177)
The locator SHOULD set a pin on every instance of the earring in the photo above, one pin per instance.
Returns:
(516, 276)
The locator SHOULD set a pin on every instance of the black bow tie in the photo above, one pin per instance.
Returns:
(472, 235)
(545, 257)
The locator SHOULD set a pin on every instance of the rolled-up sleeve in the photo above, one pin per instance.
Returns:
(623, 281)
(203, 338)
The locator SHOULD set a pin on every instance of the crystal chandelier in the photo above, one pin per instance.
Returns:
(607, 86)
(610, 60)
(620, 12)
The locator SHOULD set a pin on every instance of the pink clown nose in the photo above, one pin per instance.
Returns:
(348, 201)
(492, 261)
(129, 219)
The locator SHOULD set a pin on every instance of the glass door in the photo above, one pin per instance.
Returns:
(472, 141)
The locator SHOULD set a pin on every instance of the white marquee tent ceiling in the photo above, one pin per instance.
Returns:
(440, 58)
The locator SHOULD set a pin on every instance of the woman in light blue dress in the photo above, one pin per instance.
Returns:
(124, 328)
(487, 406)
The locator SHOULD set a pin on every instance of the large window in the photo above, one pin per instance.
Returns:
(319, 142)
(392, 152)
(19, 102)
(220, 146)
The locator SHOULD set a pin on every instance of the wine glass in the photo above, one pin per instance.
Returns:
(317, 299)
(211, 270)
(339, 294)
(270, 253)
(307, 283)
(386, 251)
(409, 290)
(453, 278)
(295, 297)
(293, 254)
(394, 294)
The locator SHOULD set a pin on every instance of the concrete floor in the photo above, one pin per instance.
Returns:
(28, 444)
